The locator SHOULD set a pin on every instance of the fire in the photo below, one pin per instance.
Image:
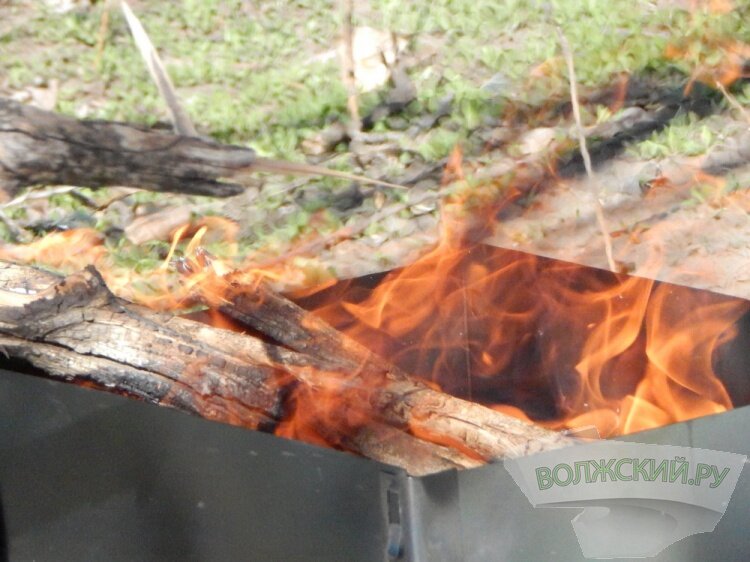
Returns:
(561, 344)
(69, 250)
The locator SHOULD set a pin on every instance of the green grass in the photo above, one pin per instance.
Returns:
(686, 135)
(247, 70)
(743, 97)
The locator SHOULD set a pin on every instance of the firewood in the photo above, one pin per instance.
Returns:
(399, 399)
(74, 329)
(391, 446)
(41, 147)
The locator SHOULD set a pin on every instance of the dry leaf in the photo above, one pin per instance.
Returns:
(379, 200)
(157, 226)
(372, 49)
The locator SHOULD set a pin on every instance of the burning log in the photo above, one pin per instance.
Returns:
(74, 329)
(401, 400)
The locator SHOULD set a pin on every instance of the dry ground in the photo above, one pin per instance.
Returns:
(667, 220)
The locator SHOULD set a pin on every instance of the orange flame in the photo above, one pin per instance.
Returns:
(562, 344)
(69, 250)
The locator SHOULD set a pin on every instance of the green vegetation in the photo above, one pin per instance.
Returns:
(264, 74)
(686, 134)
(248, 71)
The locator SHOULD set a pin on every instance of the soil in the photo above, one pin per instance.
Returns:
(667, 220)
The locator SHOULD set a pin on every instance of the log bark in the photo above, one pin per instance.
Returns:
(41, 147)
(399, 399)
(74, 329)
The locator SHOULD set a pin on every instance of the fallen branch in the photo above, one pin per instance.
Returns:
(40, 147)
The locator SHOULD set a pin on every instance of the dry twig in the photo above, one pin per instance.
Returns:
(733, 101)
(32, 195)
(568, 55)
(101, 36)
(180, 119)
(347, 63)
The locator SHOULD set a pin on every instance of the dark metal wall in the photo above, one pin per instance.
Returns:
(85, 475)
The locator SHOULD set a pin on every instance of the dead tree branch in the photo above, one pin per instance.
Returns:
(41, 147)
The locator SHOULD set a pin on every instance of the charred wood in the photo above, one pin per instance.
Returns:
(74, 329)
(400, 400)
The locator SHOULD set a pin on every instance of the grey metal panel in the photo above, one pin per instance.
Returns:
(499, 524)
(89, 476)
(433, 522)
